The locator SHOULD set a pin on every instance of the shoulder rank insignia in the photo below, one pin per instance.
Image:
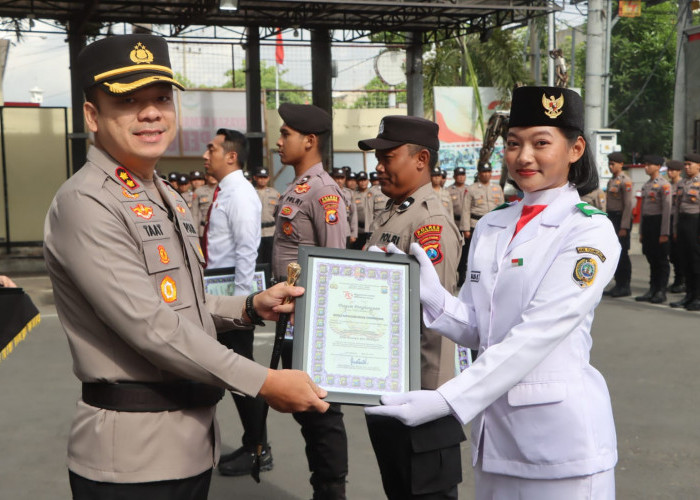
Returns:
(143, 211)
(584, 272)
(589, 210)
(428, 237)
(125, 177)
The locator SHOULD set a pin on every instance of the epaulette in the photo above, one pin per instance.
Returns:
(503, 205)
(589, 210)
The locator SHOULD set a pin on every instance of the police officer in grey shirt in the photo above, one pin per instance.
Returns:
(619, 203)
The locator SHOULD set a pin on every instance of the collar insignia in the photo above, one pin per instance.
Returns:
(140, 54)
(302, 188)
(553, 107)
(180, 209)
(129, 195)
(125, 178)
(143, 211)
(303, 180)
(163, 254)
(404, 206)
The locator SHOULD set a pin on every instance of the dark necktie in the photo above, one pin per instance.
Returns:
(206, 227)
(529, 213)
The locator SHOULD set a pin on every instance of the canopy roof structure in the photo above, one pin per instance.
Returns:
(436, 19)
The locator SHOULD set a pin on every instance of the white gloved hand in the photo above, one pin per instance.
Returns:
(412, 408)
(375, 248)
(432, 294)
(391, 248)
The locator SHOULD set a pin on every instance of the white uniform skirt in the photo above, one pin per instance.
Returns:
(600, 486)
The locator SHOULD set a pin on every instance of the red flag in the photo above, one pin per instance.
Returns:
(279, 49)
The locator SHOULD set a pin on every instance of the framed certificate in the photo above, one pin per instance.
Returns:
(357, 327)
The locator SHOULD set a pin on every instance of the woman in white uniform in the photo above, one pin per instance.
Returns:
(542, 424)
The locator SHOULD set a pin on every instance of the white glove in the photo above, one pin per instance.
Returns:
(432, 294)
(412, 408)
(375, 248)
(391, 248)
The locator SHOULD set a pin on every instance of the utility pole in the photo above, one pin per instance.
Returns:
(551, 45)
(679, 96)
(594, 67)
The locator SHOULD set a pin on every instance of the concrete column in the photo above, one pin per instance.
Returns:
(594, 67)
(322, 81)
(414, 74)
(551, 45)
(679, 96)
(253, 105)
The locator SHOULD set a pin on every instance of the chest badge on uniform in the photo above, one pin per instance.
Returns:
(475, 276)
(517, 262)
(584, 272)
(287, 228)
(163, 255)
(329, 203)
(428, 237)
(302, 188)
(168, 289)
(180, 209)
(286, 210)
(143, 211)
(131, 196)
(125, 177)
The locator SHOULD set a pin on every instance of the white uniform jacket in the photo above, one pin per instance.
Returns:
(540, 409)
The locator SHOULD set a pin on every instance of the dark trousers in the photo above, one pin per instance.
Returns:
(655, 252)
(623, 273)
(674, 255)
(422, 462)
(250, 410)
(191, 488)
(688, 243)
(324, 434)
(360, 241)
(265, 250)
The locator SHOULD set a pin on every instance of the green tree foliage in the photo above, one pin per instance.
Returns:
(379, 99)
(642, 48)
(288, 92)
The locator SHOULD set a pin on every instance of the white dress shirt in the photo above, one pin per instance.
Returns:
(233, 235)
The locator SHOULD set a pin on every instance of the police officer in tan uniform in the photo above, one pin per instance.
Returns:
(204, 197)
(481, 198)
(443, 195)
(655, 229)
(674, 168)
(269, 197)
(340, 176)
(124, 259)
(619, 203)
(378, 200)
(424, 461)
(687, 231)
(595, 198)
(311, 212)
(363, 207)
(457, 192)
(184, 186)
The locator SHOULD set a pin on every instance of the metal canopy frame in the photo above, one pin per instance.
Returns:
(350, 20)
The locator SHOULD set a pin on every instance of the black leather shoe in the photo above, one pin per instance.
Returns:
(646, 297)
(693, 305)
(658, 298)
(677, 288)
(232, 456)
(621, 292)
(608, 292)
(243, 462)
(683, 302)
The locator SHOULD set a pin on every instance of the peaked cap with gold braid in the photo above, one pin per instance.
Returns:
(549, 106)
(124, 63)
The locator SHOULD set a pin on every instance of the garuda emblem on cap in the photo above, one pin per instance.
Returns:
(553, 107)
(141, 55)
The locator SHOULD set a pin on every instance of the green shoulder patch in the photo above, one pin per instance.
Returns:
(589, 210)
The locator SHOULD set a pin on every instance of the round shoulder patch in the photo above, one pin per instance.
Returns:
(584, 272)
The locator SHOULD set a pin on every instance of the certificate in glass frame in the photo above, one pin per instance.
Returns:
(357, 326)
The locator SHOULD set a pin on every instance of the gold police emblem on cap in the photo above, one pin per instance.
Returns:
(140, 54)
(553, 107)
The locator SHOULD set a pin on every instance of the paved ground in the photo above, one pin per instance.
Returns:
(648, 354)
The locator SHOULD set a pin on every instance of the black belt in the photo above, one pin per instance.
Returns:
(268, 224)
(476, 217)
(150, 397)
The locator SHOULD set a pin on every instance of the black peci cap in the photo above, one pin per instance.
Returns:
(338, 172)
(305, 118)
(124, 63)
(674, 165)
(692, 157)
(617, 157)
(352, 175)
(196, 174)
(361, 176)
(183, 179)
(173, 176)
(396, 130)
(546, 106)
(246, 174)
(486, 167)
(460, 171)
(373, 176)
(653, 159)
(261, 172)
(435, 171)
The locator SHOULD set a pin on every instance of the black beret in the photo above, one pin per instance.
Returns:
(338, 172)
(124, 63)
(617, 157)
(196, 174)
(396, 130)
(261, 173)
(548, 106)
(460, 171)
(352, 175)
(361, 176)
(435, 171)
(173, 176)
(693, 157)
(443, 172)
(373, 176)
(183, 179)
(653, 159)
(674, 165)
(305, 118)
(486, 167)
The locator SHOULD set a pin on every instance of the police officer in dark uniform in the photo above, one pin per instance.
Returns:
(619, 203)
(311, 212)
(362, 201)
(655, 229)
(675, 168)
